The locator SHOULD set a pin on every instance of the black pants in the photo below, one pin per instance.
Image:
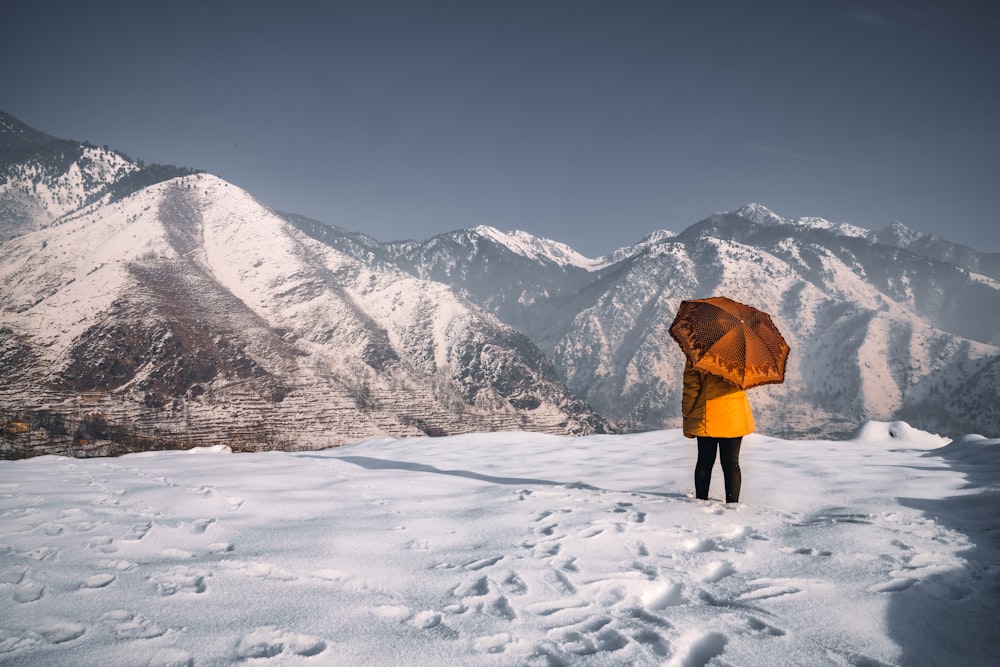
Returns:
(729, 449)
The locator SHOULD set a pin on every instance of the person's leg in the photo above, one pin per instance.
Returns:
(703, 468)
(729, 457)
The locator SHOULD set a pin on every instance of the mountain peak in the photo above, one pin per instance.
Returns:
(534, 247)
(760, 214)
(898, 234)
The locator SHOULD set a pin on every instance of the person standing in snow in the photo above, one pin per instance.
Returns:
(718, 414)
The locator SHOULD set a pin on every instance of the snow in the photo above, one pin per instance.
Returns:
(69, 274)
(534, 247)
(762, 215)
(506, 549)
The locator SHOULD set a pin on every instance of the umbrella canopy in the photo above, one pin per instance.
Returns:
(730, 339)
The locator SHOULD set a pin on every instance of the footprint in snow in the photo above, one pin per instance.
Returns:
(546, 531)
(493, 643)
(52, 529)
(201, 525)
(806, 551)
(513, 584)
(170, 657)
(638, 548)
(259, 570)
(547, 549)
(60, 631)
(98, 580)
(546, 609)
(651, 572)
(500, 608)
(558, 582)
(565, 563)
(138, 531)
(590, 531)
(278, 645)
(589, 640)
(235, 503)
(765, 589)
(102, 543)
(44, 553)
(28, 591)
(483, 563)
(474, 588)
(177, 554)
(653, 641)
(761, 628)
(126, 624)
(179, 581)
(425, 620)
(14, 575)
(422, 620)
(893, 585)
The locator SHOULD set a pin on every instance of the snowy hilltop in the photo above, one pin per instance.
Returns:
(507, 549)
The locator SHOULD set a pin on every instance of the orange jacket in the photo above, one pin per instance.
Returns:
(713, 407)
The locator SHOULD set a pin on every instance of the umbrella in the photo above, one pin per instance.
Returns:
(735, 341)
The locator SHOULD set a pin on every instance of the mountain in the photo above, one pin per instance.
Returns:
(159, 307)
(188, 313)
(895, 234)
(877, 331)
(43, 178)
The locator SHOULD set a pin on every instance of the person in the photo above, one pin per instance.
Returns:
(718, 414)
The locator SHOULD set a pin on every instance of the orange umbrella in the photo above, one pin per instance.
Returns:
(735, 341)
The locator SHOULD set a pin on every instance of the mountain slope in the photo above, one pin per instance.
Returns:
(190, 312)
(874, 328)
(868, 325)
(43, 178)
(181, 310)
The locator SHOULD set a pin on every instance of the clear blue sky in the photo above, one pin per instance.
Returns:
(592, 123)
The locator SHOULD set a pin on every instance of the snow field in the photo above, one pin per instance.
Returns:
(505, 549)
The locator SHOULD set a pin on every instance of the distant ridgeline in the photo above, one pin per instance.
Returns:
(175, 310)
(145, 176)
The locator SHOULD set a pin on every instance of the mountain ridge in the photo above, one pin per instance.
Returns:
(189, 312)
(226, 323)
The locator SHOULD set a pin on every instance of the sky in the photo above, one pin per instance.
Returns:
(591, 123)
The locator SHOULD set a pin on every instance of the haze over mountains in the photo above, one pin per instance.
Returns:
(155, 306)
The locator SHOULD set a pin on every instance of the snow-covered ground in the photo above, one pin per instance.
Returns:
(507, 549)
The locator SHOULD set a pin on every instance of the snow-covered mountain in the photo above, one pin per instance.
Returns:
(187, 312)
(153, 309)
(895, 234)
(43, 178)
(877, 331)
